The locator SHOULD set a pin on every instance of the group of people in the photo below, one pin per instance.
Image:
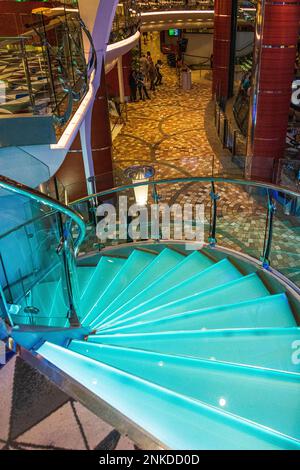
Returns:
(148, 72)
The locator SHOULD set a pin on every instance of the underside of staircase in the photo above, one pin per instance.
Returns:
(181, 349)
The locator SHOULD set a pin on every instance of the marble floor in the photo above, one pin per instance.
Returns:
(175, 133)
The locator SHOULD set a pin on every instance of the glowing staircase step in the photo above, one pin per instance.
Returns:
(245, 288)
(218, 274)
(161, 264)
(60, 303)
(135, 264)
(105, 271)
(189, 266)
(175, 420)
(84, 274)
(271, 311)
(270, 348)
(43, 295)
(266, 397)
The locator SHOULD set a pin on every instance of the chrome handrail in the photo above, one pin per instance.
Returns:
(202, 179)
(23, 190)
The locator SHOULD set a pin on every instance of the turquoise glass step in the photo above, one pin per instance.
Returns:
(43, 295)
(135, 264)
(60, 305)
(265, 312)
(162, 412)
(246, 288)
(191, 265)
(261, 347)
(107, 268)
(268, 398)
(161, 264)
(218, 274)
(84, 274)
(105, 271)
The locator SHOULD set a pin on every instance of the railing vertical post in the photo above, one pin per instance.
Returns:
(64, 231)
(213, 229)
(155, 194)
(27, 74)
(269, 232)
(219, 120)
(225, 133)
(234, 143)
(5, 306)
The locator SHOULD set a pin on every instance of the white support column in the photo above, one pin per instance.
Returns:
(121, 80)
(87, 155)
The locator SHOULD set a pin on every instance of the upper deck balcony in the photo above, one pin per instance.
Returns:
(43, 77)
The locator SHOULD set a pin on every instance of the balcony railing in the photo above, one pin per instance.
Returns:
(126, 22)
(165, 5)
(44, 72)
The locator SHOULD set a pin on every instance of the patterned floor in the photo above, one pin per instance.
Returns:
(175, 133)
(35, 415)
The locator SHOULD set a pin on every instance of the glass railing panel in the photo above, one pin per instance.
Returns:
(44, 71)
(175, 211)
(22, 166)
(165, 5)
(126, 21)
(251, 218)
(36, 252)
(289, 173)
(16, 91)
(114, 207)
(285, 236)
(241, 218)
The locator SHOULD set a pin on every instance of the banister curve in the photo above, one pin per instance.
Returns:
(203, 179)
(37, 196)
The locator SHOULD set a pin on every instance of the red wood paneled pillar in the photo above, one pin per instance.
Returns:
(221, 49)
(71, 173)
(101, 132)
(277, 30)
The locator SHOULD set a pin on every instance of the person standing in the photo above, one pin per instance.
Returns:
(158, 68)
(144, 65)
(140, 78)
(133, 86)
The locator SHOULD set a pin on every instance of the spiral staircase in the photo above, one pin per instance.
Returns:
(190, 350)
(177, 346)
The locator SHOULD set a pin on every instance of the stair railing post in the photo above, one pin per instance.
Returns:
(65, 234)
(5, 306)
(213, 230)
(269, 232)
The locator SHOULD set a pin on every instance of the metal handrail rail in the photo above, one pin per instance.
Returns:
(23, 190)
(200, 179)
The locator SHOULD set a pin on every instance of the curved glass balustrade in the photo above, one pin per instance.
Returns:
(252, 218)
(40, 238)
(37, 256)
(44, 72)
(126, 22)
(165, 5)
